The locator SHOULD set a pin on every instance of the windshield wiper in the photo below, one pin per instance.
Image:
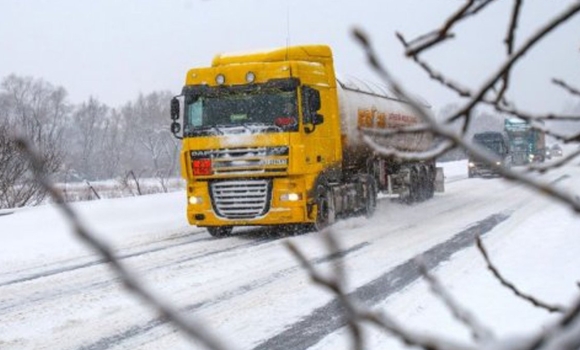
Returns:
(206, 130)
(263, 127)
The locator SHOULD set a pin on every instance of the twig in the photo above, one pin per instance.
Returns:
(563, 335)
(563, 84)
(136, 181)
(92, 189)
(355, 314)
(542, 168)
(335, 284)
(509, 41)
(507, 65)
(410, 337)
(424, 42)
(477, 153)
(511, 286)
(129, 280)
(479, 332)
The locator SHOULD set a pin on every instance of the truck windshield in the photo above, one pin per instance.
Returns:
(241, 112)
(496, 146)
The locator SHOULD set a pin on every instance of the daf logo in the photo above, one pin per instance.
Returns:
(200, 154)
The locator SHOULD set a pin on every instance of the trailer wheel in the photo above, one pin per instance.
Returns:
(431, 173)
(220, 231)
(414, 187)
(371, 198)
(423, 184)
(324, 209)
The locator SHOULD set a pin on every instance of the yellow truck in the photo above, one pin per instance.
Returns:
(275, 138)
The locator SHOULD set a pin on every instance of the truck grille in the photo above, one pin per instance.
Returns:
(246, 160)
(241, 199)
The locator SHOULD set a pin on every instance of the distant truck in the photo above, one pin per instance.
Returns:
(527, 144)
(497, 146)
(274, 138)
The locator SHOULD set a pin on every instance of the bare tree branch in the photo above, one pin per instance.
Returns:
(509, 41)
(355, 314)
(335, 284)
(424, 42)
(563, 84)
(542, 168)
(562, 335)
(511, 286)
(563, 196)
(479, 332)
(507, 65)
(193, 329)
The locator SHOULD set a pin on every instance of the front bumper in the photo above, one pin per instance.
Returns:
(205, 209)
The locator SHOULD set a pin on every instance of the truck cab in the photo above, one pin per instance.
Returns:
(495, 143)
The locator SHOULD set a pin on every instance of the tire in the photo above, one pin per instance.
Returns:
(430, 182)
(324, 209)
(414, 187)
(423, 184)
(220, 231)
(371, 198)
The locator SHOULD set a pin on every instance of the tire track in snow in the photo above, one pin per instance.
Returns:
(330, 317)
(6, 307)
(48, 272)
(59, 270)
(137, 330)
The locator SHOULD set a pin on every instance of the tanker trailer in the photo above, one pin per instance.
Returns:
(273, 138)
(367, 106)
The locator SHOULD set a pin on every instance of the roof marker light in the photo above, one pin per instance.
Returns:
(220, 79)
(250, 77)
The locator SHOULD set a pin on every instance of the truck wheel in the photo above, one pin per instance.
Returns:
(324, 209)
(220, 231)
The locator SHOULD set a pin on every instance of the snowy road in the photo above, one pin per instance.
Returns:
(56, 294)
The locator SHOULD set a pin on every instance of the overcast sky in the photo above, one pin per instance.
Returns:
(114, 50)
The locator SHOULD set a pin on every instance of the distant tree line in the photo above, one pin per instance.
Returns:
(81, 143)
(93, 141)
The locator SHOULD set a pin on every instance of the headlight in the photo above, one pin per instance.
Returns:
(497, 163)
(290, 197)
(195, 200)
(470, 164)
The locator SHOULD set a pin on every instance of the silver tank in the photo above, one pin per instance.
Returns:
(367, 105)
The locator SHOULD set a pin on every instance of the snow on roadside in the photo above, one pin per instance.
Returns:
(537, 249)
(35, 235)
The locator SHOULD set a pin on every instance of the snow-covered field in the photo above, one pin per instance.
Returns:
(55, 293)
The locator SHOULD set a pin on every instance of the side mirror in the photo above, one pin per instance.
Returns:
(311, 98)
(314, 100)
(175, 129)
(174, 109)
(317, 119)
